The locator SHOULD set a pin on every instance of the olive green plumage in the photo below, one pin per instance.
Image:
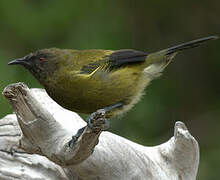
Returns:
(87, 80)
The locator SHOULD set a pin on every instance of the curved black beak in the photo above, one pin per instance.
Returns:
(21, 61)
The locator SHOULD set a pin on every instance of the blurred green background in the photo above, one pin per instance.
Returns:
(189, 89)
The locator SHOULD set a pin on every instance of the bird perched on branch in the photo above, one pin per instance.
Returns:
(84, 81)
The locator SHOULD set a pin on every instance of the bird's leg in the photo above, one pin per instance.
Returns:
(76, 136)
(96, 122)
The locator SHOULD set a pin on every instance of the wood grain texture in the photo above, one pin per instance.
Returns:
(43, 127)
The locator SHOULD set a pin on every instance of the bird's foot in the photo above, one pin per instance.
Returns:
(97, 121)
(75, 137)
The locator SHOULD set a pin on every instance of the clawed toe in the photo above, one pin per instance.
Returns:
(75, 137)
(97, 121)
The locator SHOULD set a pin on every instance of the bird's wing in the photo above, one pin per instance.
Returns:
(115, 60)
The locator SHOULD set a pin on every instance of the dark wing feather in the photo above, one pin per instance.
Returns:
(116, 59)
(87, 69)
(125, 57)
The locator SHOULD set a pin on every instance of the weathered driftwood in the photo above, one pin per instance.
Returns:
(40, 128)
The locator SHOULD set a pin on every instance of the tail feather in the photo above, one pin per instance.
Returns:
(156, 62)
(189, 45)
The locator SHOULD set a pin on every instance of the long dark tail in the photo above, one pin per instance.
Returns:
(162, 58)
(188, 45)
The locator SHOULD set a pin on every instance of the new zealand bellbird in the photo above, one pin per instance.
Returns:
(84, 81)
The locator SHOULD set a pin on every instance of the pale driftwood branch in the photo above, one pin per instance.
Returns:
(42, 134)
(43, 127)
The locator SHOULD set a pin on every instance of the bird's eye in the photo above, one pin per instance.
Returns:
(40, 59)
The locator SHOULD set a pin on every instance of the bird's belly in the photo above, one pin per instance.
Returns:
(88, 95)
(89, 100)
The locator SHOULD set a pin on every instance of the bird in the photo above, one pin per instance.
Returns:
(85, 81)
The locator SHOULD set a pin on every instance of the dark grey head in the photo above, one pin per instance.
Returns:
(39, 63)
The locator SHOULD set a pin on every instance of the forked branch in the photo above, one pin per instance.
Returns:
(42, 127)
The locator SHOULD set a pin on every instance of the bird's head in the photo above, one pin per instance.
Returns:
(40, 63)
